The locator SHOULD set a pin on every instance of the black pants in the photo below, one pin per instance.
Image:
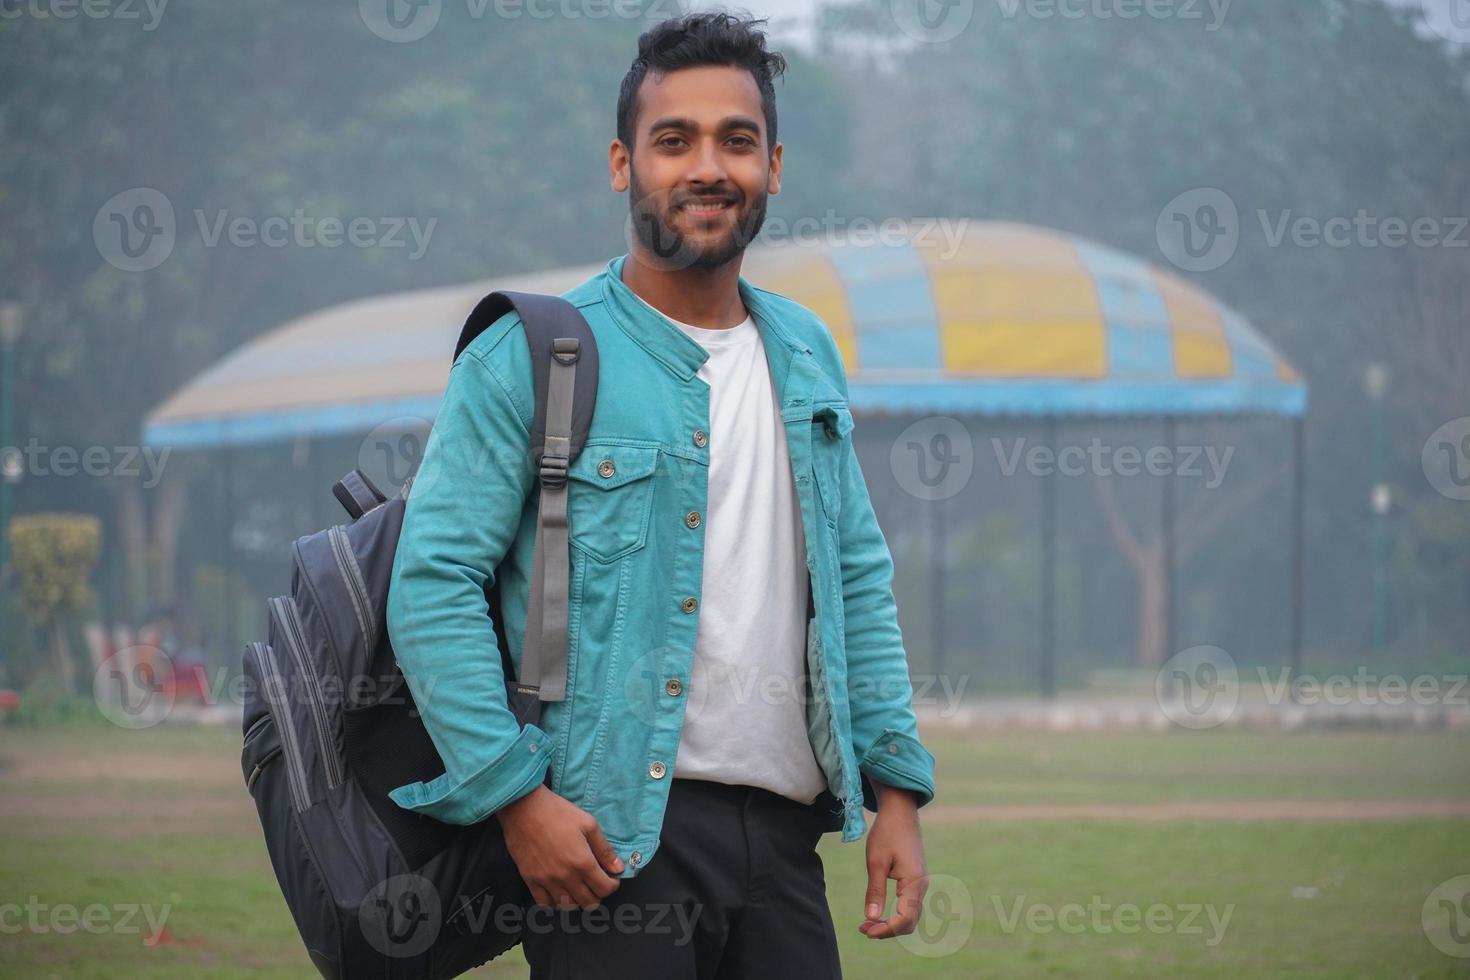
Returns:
(735, 890)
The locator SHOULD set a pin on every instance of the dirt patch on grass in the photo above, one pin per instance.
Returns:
(118, 787)
(1201, 810)
(113, 815)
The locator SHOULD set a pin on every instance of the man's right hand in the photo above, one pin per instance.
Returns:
(559, 850)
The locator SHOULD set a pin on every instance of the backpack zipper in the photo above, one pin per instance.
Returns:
(259, 768)
(296, 643)
(295, 767)
(255, 728)
(348, 568)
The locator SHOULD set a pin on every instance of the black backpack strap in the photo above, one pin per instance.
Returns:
(544, 318)
(565, 370)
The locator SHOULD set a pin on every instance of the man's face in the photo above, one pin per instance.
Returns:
(700, 170)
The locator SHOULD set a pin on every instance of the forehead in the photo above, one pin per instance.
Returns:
(705, 94)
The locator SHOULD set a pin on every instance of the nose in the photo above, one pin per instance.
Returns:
(707, 167)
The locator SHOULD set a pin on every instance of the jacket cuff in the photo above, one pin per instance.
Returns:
(517, 771)
(899, 760)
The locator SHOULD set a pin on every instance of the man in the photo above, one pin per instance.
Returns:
(737, 680)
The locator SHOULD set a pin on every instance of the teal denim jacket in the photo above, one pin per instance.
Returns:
(636, 570)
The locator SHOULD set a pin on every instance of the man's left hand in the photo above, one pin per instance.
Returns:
(896, 851)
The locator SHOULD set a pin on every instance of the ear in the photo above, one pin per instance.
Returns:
(618, 164)
(773, 183)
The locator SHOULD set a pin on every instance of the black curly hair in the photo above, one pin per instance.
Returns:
(695, 40)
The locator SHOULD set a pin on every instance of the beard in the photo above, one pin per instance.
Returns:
(672, 249)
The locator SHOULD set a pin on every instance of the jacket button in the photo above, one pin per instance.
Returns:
(691, 519)
(635, 857)
(690, 604)
(893, 748)
(656, 770)
(673, 687)
(606, 468)
(700, 438)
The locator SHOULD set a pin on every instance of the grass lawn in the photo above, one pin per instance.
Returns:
(159, 819)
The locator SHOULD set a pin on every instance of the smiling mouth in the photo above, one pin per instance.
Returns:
(705, 209)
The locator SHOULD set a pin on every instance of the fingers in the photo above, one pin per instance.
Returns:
(606, 857)
(565, 893)
(907, 909)
(582, 883)
(877, 895)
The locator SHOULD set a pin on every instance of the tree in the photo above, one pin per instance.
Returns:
(54, 555)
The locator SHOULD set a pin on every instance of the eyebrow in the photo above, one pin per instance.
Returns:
(689, 125)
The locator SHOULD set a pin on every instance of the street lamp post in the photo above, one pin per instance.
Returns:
(1381, 500)
(12, 320)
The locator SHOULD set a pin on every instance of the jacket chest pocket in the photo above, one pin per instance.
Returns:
(610, 499)
(831, 432)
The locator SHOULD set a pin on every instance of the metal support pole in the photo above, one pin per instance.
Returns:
(937, 581)
(1298, 499)
(1047, 676)
(1170, 550)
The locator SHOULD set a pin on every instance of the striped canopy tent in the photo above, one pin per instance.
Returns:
(941, 316)
(974, 318)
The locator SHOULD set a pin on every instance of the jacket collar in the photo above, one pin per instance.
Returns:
(678, 352)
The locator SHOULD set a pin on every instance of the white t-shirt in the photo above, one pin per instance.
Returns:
(745, 721)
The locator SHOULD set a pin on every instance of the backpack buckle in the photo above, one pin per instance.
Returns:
(555, 462)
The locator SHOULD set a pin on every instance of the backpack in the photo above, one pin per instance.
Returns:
(330, 725)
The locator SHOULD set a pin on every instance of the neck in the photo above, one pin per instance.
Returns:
(708, 298)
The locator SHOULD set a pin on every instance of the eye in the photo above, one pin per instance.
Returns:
(743, 141)
(669, 141)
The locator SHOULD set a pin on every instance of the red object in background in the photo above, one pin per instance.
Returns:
(187, 682)
(9, 700)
